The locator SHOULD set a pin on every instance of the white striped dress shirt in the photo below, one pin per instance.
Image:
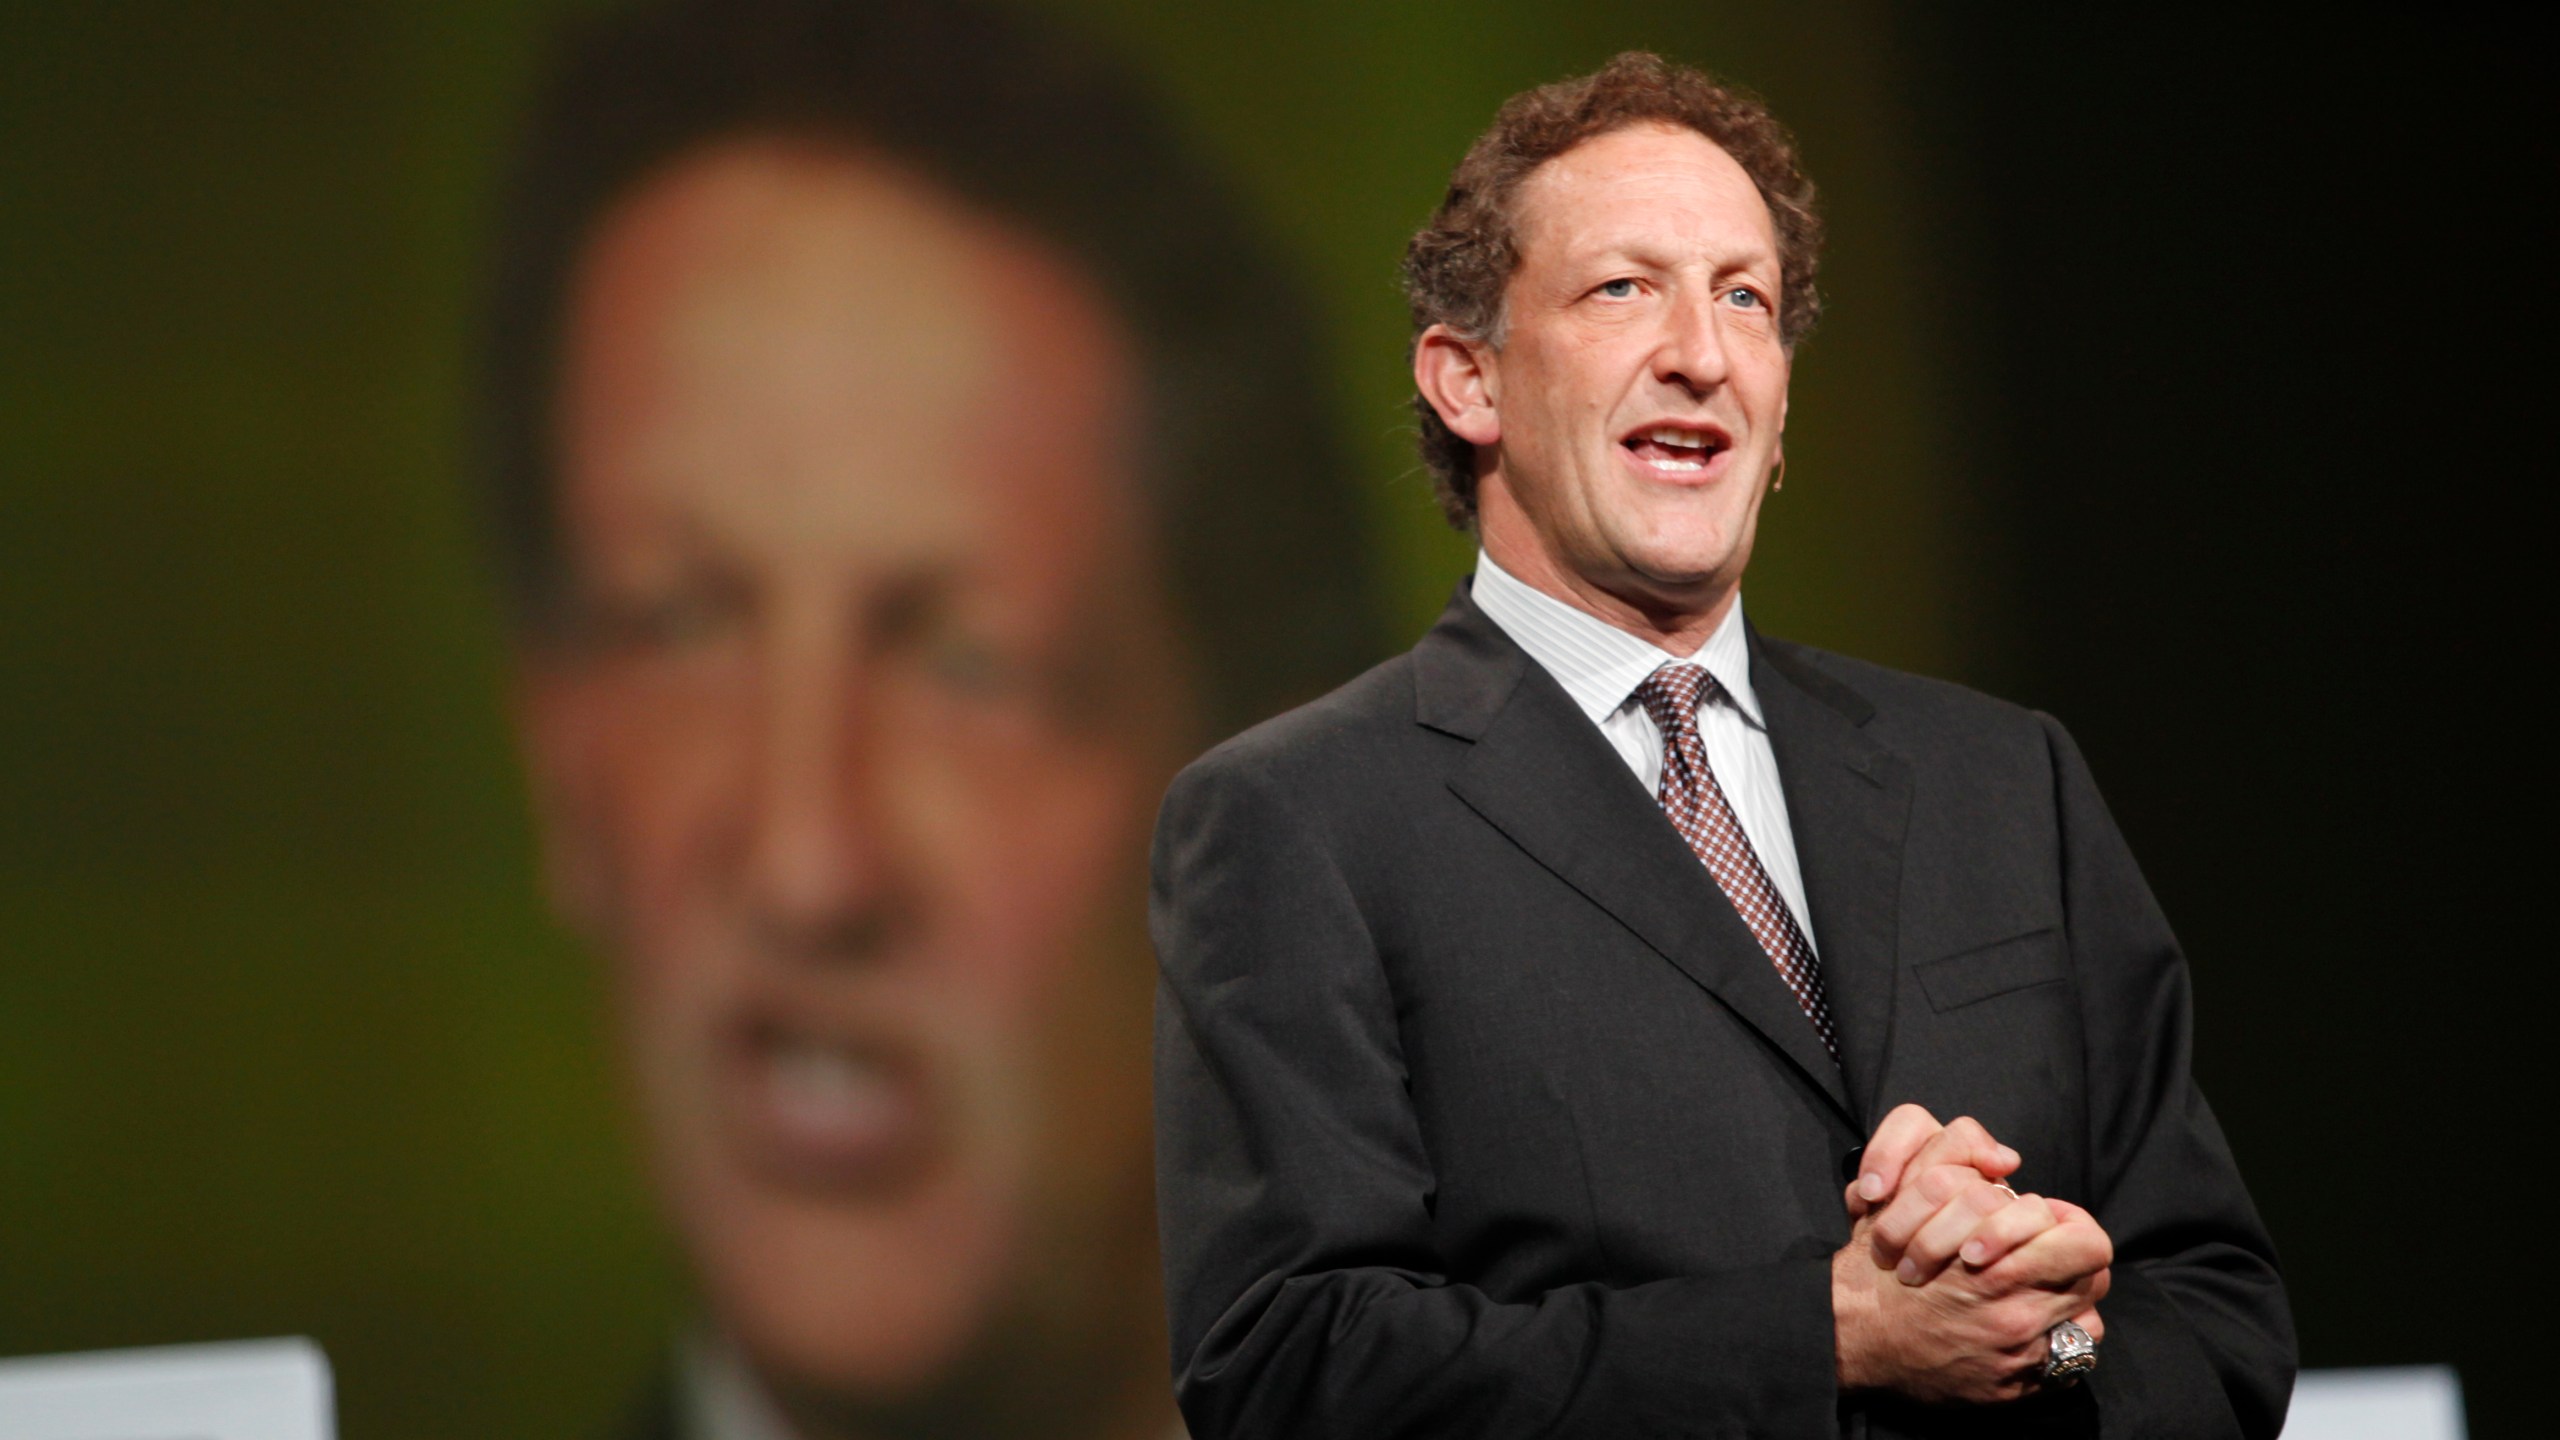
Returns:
(1600, 665)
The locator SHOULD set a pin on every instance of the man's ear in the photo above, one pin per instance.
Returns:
(556, 743)
(1461, 379)
(1778, 456)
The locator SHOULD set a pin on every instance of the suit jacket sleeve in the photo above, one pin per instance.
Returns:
(2199, 1338)
(1307, 1295)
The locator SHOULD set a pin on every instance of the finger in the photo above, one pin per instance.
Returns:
(1965, 1142)
(1924, 1192)
(2007, 1228)
(1935, 1242)
(2069, 1211)
(1890, 1149)
(1962, 1142)
(1958, 1221)
(2018, 1324)
(2041, 1348)
(2017, 1329)
(2070, 1256)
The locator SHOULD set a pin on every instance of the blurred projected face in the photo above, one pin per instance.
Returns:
(850, 762)
(1640, 391)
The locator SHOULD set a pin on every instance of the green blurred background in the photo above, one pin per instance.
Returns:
(287, 1044)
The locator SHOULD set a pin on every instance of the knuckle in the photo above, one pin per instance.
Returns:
(2015, 1224)
(1905, 1129)
(2017, 1326)
(2092, 1248)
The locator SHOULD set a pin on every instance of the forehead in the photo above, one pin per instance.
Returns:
(804, 350)
(1653, 185)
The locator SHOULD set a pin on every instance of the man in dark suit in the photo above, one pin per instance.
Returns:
(1553, 1021)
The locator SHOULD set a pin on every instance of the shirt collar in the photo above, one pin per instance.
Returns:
(1597, 663)
(720, 1396)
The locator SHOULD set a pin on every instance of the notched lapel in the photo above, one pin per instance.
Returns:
(1849, 804)
(1543, 775)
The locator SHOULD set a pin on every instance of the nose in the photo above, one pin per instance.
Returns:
(1692, 352)
(818, 868)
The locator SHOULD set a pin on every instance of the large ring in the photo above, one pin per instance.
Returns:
(2069, 1354)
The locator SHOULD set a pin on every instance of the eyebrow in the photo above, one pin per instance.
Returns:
(1758, 259)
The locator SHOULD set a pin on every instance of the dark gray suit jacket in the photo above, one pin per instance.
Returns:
(1480, 1113)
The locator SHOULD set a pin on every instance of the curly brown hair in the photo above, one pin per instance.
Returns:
(1458, 266)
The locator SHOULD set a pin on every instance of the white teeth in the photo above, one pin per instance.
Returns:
(824, 1085)
(1690, 449)
(1685, 439)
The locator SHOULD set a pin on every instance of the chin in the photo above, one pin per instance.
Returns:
(1682, 571)
(878, 1299)
(1686, 552)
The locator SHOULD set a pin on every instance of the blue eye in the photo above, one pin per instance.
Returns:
(1619, 289)
(1747, 299)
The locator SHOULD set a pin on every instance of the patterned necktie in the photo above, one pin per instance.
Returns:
(1697, 807)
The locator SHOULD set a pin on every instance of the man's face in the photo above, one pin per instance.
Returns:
(1640, 388)
(849, 757)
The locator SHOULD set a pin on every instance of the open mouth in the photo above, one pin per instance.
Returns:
(830, 1112)
(1678, 449)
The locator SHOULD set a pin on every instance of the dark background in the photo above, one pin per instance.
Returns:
(2175, 381)
(2258, 313)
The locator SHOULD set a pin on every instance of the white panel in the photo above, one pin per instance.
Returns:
(242, 1390)
(2411, 1402)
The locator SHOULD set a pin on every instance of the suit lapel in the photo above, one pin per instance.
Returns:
(1849, 803)
(1548, 780)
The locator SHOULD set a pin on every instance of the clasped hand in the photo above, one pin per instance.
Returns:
(1950, 1280)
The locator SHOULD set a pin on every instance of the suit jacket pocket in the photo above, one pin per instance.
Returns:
(1969, 976)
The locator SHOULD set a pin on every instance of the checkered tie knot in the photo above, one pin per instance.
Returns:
(1698, 810)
